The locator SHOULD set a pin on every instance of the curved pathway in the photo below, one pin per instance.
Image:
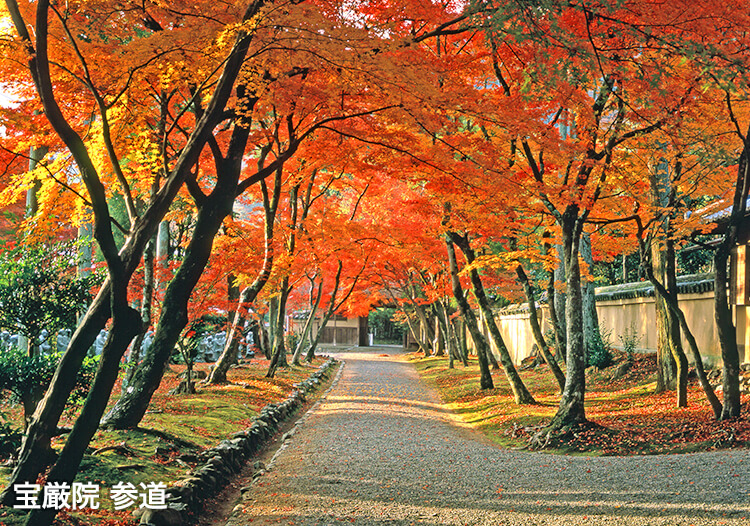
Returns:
(380, 449)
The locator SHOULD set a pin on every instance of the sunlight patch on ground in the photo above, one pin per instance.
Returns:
(392, 406)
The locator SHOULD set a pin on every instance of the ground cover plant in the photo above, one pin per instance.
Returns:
(627, 417)
(174, 428)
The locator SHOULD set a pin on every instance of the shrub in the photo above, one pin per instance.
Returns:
(40, 290)
(27, 377)
(598, 352)
(10, 437)
(629, 340)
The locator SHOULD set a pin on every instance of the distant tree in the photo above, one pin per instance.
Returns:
(190, 339)
(383, 325)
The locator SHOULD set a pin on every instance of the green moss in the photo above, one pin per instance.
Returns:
(176, 425)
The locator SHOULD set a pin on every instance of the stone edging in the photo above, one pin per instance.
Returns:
(285, 439)
(229, 456)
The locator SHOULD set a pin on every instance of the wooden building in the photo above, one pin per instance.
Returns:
(339, 330)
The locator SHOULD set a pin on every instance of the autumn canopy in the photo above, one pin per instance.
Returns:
(238, 161)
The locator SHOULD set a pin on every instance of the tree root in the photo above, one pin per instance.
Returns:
(120, 449)
(551, 436)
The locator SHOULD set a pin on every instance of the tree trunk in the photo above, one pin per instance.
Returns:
(460, 334)
(726, 329)
(592, 336)
(264, 341)
(727, 333)
(426, 330)
(438, 342)
(132, 405)
(326, 316)
(672, 368)
(125, 325)
(447, 328)
(520, 393)
(561, 306)
(228, 355)
(310, 354)
(30, 401)
(247, 296)
(571, 411)
(666, 366)
(273, 313)
(485, 376)
(672, 364)
(674, 307)
(557, 327)
(536, 328)
(279, 344)
(148, 298)
(416, 332)
(297, 357)
(494, 364)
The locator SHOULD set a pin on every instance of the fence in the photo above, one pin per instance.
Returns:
(631, 307)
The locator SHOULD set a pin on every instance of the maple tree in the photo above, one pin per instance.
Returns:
(585, 105)
(176, 141)
(137, 62)
(251, 291)
(495, 127)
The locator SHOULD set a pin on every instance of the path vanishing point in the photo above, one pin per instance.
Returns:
(380, 449)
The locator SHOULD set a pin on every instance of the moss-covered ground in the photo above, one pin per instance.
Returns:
(631, 418)
(174, 425)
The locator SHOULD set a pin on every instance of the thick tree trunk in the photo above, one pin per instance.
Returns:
(126, 324)
(149, 256)
(672, 368)
(726, 329)
(571, 411)
(485, 375)
(672, 364)
(520, 393)
(672, 303)
(132, 405)
(536, 328)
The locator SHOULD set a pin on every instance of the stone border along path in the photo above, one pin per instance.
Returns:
(225, 460)
(381, 449)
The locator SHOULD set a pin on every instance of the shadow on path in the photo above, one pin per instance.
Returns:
(381, 449)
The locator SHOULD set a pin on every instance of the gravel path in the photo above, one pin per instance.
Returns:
(380, 449)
